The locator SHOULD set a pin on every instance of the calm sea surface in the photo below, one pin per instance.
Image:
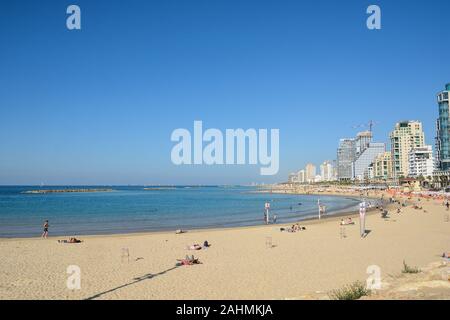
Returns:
(133, 209)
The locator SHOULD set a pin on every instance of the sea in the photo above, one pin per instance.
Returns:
(127, 209)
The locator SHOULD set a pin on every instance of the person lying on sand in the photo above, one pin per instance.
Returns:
(348, 222)
(293, 228)
(188, 261)
(71, 240)
(446, 255)
(195, 246)
(179, 231)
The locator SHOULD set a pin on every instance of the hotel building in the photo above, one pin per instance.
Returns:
(382, 166)
(421, 162)
(405, 136)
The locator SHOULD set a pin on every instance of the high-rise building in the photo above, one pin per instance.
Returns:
(362, 141)
(421, 162)
(442, 131)
(405, 136)
(382, 166)
(310, 172)
(326, 171)
(301, 176)
(366, 158)
(346, 155)
(334, 171)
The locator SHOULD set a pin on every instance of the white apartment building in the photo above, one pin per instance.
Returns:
(421, 161)
(301, 176)
(326, 171)
(297, 177)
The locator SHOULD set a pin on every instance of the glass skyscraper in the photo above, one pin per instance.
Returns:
(346, 154)
(442, 128)
(366, 158)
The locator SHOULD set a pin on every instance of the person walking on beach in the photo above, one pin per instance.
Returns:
(447, 204)
(45, 233)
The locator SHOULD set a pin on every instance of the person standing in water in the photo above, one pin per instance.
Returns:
(45, 233)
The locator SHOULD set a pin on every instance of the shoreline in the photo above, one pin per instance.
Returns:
(308, 220)
(240, 264)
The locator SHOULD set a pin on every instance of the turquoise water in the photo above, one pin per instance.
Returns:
(133, 209)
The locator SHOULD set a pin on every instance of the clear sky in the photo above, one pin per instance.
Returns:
(98, 105)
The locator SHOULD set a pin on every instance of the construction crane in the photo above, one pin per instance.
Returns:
(370, 125)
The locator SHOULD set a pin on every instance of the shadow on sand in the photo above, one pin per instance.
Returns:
(135, 280)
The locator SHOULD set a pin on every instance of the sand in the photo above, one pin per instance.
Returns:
(238, 265)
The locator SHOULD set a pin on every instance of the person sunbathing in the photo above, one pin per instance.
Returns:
(188, 261)
(195, 246)
(71, 240)
(349, 221)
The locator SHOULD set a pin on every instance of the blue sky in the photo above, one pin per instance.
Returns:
(98, 105)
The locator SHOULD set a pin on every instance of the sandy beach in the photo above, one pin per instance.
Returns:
(240, 264)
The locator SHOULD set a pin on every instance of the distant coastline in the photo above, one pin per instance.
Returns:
(65, 191)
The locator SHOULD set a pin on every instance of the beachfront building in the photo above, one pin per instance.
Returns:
(301, 176)
(346, 154)
(382, 166)
(297, 177)
(442, 173)
(421, 162)
(405, 136)
(442, 131)
(310, 173)
(327, 171)
(366, 158)
(362, 141)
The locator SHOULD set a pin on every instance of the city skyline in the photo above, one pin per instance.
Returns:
(98, 105)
